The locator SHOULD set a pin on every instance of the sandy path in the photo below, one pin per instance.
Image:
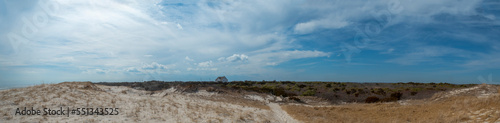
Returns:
(281, 114)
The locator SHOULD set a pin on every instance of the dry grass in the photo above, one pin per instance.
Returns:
(454, 109)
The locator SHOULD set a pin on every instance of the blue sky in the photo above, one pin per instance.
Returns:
(190, 40)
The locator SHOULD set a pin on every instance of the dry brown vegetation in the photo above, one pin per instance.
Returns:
(459, 108)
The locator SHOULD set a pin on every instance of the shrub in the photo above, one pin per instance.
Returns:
(361, 90)
(379, 91)
(309, 93)
(389, 99)
(413, 93)
(372, 99)
(301, 86)
(348, 92)
(343, 84)
(294, 99)
(397, 95)
(211, 89)
(353, 90)
(336, 89)
(328, 85)
(279, 91)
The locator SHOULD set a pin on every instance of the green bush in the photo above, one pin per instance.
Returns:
(309, 93)
(379, 91)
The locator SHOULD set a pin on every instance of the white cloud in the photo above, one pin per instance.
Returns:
(188, 59)
(201, 69)
(310, 26)
(275, 58)
(234, 58)
(154, 66)
(205, 64)
(179, 26)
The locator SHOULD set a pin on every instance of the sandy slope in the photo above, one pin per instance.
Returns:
(136, 105)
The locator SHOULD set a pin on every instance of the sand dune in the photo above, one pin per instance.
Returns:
(136, 105)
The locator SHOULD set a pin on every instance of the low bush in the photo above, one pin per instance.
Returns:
(397, 95)
(309, 93)
(389, 99)
(372, 99)
(301, 86)
(413, 93)
(336, 89)
(328, 85)
(294, 99)
(379, 91)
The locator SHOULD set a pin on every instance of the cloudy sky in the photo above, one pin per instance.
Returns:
(332, 40)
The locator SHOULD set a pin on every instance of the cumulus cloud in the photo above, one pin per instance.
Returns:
(188, 59)
(154, 66)
(234, 58)
(205, 64)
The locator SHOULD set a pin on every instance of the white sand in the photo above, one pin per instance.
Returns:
(136, 105)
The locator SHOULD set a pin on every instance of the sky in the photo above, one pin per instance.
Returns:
(52, 41)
